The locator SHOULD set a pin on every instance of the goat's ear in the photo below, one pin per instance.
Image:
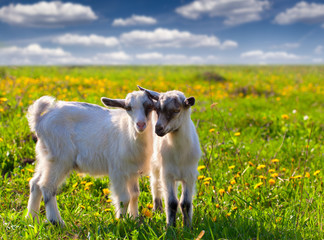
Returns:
(190, 101)
(113, 102)
(151, 94)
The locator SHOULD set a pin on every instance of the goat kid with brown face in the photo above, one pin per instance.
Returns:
(176, 153)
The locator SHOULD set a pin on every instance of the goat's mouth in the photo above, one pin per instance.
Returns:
(160, 133)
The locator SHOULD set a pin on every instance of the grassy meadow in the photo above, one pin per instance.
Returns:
(261, 132)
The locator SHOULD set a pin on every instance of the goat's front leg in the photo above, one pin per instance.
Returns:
(134, 191)
(171, 201)
(188, 188)
(121, 196)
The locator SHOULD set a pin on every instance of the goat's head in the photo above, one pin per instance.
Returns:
(172, 109)
(138, 106)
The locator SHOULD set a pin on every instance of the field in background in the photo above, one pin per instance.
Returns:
(261, 132)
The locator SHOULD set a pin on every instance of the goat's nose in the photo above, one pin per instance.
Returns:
(141, 125)
(158, 128)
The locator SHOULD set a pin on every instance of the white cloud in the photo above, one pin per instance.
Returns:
(134, 20)
(286, 46)
(32, 54)
(160, 58)
(162, 37)
(277, 56)
(46, 14)
(302, 12)
(149, 56)
(235, 12)
(318, 49)
(317, 60)
(112, 57)
(91, 40)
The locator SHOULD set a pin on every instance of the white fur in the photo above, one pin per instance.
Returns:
(90, 139)
(175, 158)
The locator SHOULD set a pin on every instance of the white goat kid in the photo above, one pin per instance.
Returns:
(90, 139)
(176, 153)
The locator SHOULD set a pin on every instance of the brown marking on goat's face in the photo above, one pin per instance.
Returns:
(168, 108)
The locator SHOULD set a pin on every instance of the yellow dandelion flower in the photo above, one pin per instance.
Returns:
(217, 205)
(30, 170)
(105, 191)
(107, 209)
(237, 175)
(149, 205)
(214, 219)
(86, 188)
(284, 116)
(201, 193)
(221, 191)
(81, 206)
(1, 140)
(201, 177)
(28, 179)
(272, 181)
(237, 134)
(208, 179)
(1, 110)
(297, 176)
(201, 167)
(3, 99)
(258, 185)
(251, 164)
(271, 170)
(229, 189)
(283, 169)
(262, 177)
(228, 214)
(316, 172)
(234, 208)
(89, 184)
(250, 207)
(307, 174)
(83, 182)
(206, 183)
(231, 167)
(261, 166)
(233, 181)
(275, 160)
(274, 175)
(212, 130)
(74, 185)
(147, 213)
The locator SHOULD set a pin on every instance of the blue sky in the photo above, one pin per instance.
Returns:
(161, 32)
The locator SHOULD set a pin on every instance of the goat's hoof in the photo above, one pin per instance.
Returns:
(60, 223)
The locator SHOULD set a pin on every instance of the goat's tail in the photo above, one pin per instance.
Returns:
(38, 109)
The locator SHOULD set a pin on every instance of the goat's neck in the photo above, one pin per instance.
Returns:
(183, 133)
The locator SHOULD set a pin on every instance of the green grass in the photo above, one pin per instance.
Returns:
(277, 110)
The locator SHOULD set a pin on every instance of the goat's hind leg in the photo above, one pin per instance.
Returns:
(52, 176)
(156, 187)
(35, 196)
